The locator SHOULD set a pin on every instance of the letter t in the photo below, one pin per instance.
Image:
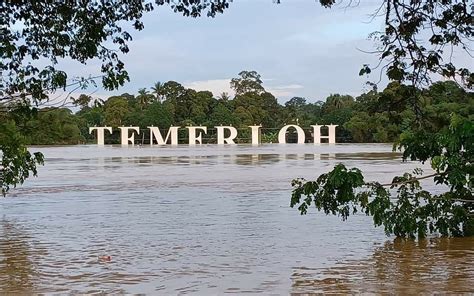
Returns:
(100, 133)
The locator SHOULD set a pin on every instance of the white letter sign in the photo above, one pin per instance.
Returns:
(256, 134)
(172, 134)
(100, 133)
(124, 134)
(282, 134)
(195, 134)
(221, 139)
(331, 136)
(192, 134)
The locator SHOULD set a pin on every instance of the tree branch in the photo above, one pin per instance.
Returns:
(410, 180)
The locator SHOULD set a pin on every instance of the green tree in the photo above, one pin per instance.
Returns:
(248, 82)
(83, 101)
(54, 126)
(91, 116)
(253, 108)
(254, 105)
(115, 111)
(367, 102)
(17, 162)
(360, 127)
(224, 96)
(172, 90)
(295, 109)
(155, 115)
(144, 98)
(193, 105)
(157, 90)
(222, 114)
(336, 102)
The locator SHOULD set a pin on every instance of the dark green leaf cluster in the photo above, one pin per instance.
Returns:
(194, 8)
(447, 25)
(17, 163)
(405, 209)
(35, 33)
(333, 193)
(450, 152)
(383, 116)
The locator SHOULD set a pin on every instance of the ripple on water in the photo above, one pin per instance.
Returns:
(209, 220)
(402, 267)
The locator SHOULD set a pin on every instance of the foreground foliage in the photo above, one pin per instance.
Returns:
(404, 208)
(17, 162)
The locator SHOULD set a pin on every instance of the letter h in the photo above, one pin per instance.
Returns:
(331, 135)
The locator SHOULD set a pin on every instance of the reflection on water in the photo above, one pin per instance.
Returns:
(248, 159)
(207, 220)
(17, 267)
(402, 267)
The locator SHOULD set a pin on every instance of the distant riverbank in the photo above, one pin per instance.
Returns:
(373, 117)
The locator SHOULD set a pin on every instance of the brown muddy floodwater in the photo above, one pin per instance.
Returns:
(209, 220)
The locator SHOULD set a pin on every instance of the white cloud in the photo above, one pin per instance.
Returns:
(216, 86)
(284, 90)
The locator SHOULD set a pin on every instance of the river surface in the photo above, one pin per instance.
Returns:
(210, 220)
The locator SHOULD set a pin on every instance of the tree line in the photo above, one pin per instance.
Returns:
(375, 116)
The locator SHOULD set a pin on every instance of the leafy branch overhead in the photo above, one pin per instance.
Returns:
(44, 32)
(35, 33)
(420, 38)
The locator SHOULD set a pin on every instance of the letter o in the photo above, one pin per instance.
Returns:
(299, 131)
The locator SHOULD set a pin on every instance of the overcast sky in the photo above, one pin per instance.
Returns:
(299, 48)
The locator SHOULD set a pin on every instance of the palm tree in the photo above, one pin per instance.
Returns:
(224, 96)
(98, 103)
(337, 102)
(157, 90)
(143, 97)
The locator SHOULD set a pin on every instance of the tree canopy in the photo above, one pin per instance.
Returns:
(368, 118)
